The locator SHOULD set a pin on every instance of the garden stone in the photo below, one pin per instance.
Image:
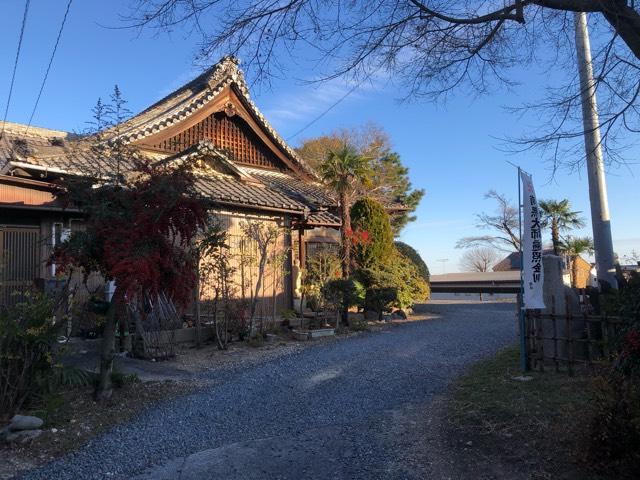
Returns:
(401, 314)
(22, 436)
(25, 422)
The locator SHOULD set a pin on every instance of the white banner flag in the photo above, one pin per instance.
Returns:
(532, 271)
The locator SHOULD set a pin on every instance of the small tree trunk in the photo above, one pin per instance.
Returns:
(346, 241)
(196, 310)
(104, 388)
(261, 266)
(574, 272)
(346, 247)
(555, 237)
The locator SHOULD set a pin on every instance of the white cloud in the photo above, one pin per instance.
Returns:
(306, 102)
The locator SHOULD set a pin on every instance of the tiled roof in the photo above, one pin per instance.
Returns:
(195, 95)
(323, 218)
(311, 192)
(58, 152)
(225, 189)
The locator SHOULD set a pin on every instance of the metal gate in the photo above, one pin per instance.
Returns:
(19, 261)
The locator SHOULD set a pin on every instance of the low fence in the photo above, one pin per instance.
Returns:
(565, 340)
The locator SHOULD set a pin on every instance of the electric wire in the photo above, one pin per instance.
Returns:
(15, 65)
(46, 73)
(331, 107)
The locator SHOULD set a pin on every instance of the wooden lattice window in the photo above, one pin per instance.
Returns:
(19, 261)
(232, 134)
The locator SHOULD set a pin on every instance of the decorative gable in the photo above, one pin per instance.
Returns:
(228, 132)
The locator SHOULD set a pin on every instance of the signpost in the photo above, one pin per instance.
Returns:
(531, 269)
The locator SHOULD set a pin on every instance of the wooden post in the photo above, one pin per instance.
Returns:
(570, 355)
(196, 310)
(532, 340)
(288, 265)
(555, 334)
(605, 337)
(540, 335)
(302, 248)
(588, 327)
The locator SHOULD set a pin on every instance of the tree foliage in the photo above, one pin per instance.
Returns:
(412, 254)
(397, 280)
(27, 332)
(388, 181)
(342, 171)
(558, 217)
(140, 220)
(137, 233)
(321, 268)
(368, 215)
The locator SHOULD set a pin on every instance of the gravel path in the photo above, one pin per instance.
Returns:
(346, 409)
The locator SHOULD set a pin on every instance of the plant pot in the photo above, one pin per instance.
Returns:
(311, 334)
(322, 332)
(300, 334)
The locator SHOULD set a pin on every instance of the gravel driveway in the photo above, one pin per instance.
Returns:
(349, 409)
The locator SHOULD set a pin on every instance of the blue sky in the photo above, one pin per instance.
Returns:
(451, 148)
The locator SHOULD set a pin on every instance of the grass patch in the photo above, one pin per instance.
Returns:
(537, 426)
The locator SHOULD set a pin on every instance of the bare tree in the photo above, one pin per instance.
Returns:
(504, 225)
(264, 235)
(433, 46)
(632, 257)
(479, 259)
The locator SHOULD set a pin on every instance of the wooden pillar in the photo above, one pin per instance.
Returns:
(288, 266)
(302, 248)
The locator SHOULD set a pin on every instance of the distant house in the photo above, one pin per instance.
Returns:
(508, 263)
(585, 270)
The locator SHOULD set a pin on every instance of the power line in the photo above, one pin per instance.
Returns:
(46, 73)
(15, 64)
(331, 107)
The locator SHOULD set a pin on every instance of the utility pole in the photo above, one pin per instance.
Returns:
(444, 263)
(600, 219)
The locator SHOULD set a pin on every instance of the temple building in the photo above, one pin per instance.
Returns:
(244, 168)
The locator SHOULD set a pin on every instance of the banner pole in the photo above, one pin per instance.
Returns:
(521, 317)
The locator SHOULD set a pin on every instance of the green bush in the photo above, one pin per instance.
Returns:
(398, 275)
(27, 332)
(368, 215)
(409, 252)
(322, 267)
(381, 300)
(343, 294)
(614, 433)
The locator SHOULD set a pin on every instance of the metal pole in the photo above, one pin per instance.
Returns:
(600, 219)
(521, 319)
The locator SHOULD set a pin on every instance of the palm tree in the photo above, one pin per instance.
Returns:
(343, 170)
(574, 247)
(558, 215)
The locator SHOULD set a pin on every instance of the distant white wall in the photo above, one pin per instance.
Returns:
(472, 296)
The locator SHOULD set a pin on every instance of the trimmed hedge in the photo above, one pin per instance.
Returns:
(368, 215)
(412, 254)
